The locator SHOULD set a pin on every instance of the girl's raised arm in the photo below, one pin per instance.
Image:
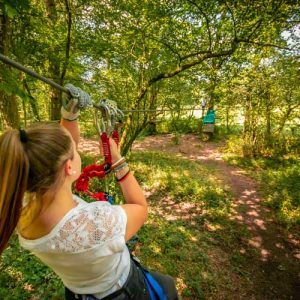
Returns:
(73, 128)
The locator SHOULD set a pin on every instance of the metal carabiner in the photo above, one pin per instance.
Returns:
(110, 114)
(107, 124)
(102, 122)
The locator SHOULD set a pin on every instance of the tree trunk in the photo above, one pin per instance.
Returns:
(268, 120)
(55, 95)
(1, 121)
(152, 115)
(54, 66)
(227, 119)
(32, 101)
(24, 112)
(8, 103)
(285, 117)
(248, 134)
(129, 141)
(9, 108)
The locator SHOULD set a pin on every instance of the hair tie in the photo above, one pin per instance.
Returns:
(23, 136)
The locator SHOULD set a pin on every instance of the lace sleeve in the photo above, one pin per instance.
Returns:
(93, 224)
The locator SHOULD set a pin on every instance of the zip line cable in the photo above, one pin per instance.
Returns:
(20, 67)
(160, 110)
(32, 73)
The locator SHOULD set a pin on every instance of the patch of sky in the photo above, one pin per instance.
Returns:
(292, 37)
(92, 65)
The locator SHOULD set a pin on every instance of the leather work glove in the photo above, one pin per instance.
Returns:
(72, 105)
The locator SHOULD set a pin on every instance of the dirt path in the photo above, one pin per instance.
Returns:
(275, 271)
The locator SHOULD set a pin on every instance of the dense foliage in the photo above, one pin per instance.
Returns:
(240, 56)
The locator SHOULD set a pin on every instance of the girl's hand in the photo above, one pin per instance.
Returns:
(114, 150)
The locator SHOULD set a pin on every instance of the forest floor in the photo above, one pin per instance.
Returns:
(268, 256)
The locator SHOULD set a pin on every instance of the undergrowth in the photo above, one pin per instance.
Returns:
(279, 178)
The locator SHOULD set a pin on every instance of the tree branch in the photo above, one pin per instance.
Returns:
(165, 44)
(263, 44)
(184, 67)
(256, 26)
(170, 74)
(195, 54)
(233, 19)
(206, 21)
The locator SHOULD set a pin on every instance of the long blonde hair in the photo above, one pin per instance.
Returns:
(33, 165)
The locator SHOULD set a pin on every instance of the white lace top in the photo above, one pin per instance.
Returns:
(87, 248)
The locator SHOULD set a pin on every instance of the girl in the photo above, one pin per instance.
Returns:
(84, 243)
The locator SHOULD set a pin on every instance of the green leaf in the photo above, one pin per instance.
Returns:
(10, 11)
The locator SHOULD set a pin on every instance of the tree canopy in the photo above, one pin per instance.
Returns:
(149, 54)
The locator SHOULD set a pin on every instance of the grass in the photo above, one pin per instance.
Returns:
(189, 235)
(23, 276)
(188, 232)
(282, 186)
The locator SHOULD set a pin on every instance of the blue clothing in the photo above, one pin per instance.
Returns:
(210, 117)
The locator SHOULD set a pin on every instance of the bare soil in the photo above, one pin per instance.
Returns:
(274, 272)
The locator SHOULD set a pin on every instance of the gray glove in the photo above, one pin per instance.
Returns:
(72, 105)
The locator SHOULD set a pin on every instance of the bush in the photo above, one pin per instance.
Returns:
(279, 178)
(184, 125)
(282, 189)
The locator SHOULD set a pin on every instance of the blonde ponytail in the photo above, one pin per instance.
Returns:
(33, 165)
(14, 169)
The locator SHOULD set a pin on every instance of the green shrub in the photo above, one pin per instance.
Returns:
(183, 125)
(281, 187)
(279, 177)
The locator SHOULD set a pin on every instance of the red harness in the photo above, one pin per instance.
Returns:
(100, 171)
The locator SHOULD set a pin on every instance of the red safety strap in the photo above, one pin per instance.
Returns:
(82, 183)
(106, 148)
